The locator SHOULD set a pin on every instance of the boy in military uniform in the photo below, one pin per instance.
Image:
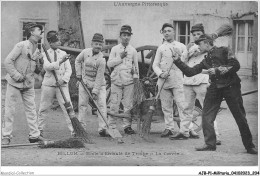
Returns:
(225, 83)
(123, 58)
(62, 67)
(90, 67)
(195, 87)
(21, 64)
(173, 87)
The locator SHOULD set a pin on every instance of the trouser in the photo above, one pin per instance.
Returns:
(120, 94)
(83, 107)
(167, 96)
(193, 92)
(213, 99)
(28, 96)
(47, 96)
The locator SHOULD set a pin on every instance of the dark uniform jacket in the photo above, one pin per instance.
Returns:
(217, 56)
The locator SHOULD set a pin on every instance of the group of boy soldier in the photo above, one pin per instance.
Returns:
(210, 76)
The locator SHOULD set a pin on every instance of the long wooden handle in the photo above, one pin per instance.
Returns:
(158, 94)
(19, 145)
(54, 73)
(91, 97)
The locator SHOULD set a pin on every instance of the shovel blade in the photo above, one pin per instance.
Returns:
(114, 133)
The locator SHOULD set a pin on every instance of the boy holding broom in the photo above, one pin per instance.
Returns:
(90, 67)
(195, 87)
(50, 89)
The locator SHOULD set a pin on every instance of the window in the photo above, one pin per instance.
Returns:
(110, 42)
(244, 36)
(25, 36)
(182, 31)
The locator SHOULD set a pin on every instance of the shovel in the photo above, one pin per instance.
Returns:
(114, 133)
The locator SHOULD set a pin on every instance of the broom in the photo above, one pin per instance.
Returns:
(146, 125)
(79, 130)
(223, 31)
(67, 143)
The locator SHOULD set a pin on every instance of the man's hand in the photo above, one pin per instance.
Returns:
(164, 75)
(64, 58)
(123, 54)
(79, 77)
(175, 54)
(95, 97)
(21, 78)
(212, 71)
(223, 70)
(60, 82)
(205, 71)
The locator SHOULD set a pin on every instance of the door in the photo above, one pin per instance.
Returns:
(244, 38)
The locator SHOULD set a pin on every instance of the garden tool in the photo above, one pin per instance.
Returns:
(79, 130)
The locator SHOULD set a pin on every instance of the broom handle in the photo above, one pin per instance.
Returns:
(55, 75)
(18, 145)
(91, 97)
(158, 94)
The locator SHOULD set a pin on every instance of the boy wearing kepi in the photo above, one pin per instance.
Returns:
(123, 58)
(225, 83)
(61, 65)
(21, 64)
(90, 67)
(173, 87)
(195, 87)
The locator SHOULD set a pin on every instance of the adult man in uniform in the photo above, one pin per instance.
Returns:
(62, 67)
(123, 58)
(173, 87)
(225, 83)
(21, 64)
(90, 67)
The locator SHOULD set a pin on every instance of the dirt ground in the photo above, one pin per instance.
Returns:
(134, 152)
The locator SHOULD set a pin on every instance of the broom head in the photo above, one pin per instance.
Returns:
(138, 92)
(224, 30)
(68, 143)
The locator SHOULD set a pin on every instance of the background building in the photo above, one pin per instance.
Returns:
(146, 19)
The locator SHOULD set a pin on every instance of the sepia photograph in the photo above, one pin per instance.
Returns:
(129, 83)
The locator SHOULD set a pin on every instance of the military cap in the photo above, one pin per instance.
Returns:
(197, 27)
(203, 37)
(32, 25)
(166, 25)
(126, 29)
(98, 38)
(52, 36)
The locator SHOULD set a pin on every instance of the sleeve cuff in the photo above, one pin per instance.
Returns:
(95, 91)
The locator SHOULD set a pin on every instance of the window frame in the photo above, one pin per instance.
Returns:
(187, 30)
(246, 35)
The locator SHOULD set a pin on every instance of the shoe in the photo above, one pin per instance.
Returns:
(218, 142)
(252, 151)
(5, 141)
(38, 139)
(205, 148)
(179, 136)
(103, 133)
(194, 134)
(129, 131)
(166, 133)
